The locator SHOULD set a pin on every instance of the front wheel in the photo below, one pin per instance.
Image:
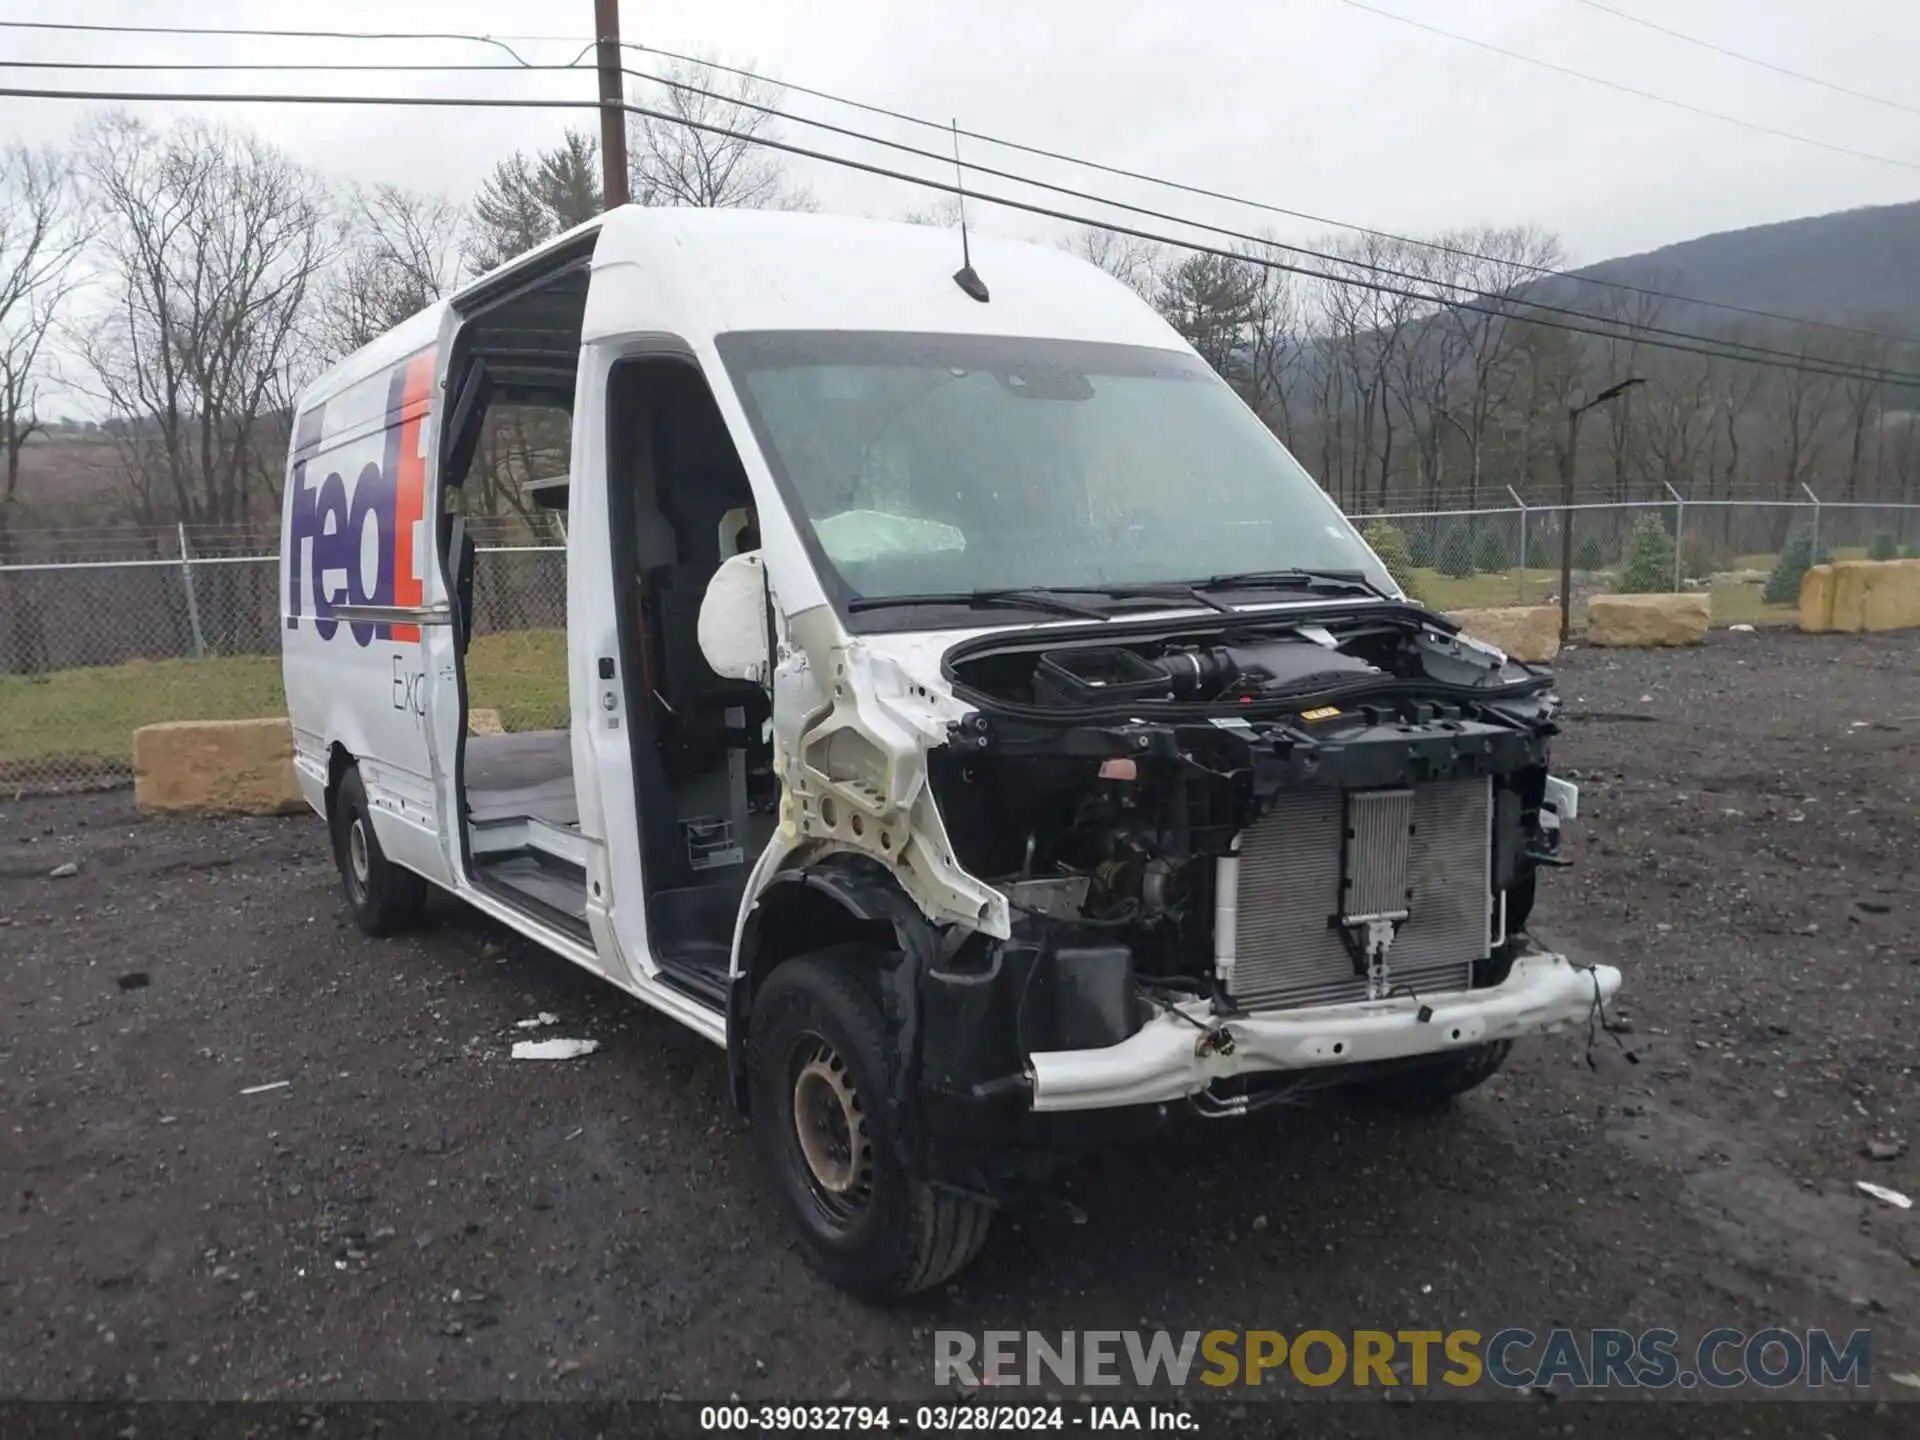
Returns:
(817, 1060)
(383, 897)
(1432, 1084)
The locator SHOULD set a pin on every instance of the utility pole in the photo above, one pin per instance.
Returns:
(1574, 412)
(613, 98)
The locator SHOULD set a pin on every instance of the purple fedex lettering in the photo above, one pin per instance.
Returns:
(300, 509)
(331, 532)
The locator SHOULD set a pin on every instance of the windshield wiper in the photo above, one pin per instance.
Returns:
(1151, 590)
(1041, 600)
(1292, 578)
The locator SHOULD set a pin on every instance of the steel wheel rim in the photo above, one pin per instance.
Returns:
(359, 859)
(831, 1133)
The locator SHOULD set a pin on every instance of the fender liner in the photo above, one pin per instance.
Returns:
(867, 895)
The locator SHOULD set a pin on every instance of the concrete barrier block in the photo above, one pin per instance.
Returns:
(1874, 595)
(1816, 599)
(1525, 632)
(239, 767)
(1648, 620)
(233, 767)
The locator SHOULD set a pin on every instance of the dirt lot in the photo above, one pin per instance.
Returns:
(417, 1215)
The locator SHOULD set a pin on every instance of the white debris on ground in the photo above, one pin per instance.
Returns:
(545, 1017)
(1741, 629)
(1883, 1194)
(262, 1089)
(553, 1049)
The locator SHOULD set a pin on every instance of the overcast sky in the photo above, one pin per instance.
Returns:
(1308, 104)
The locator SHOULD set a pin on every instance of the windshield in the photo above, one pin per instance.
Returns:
(936, 464)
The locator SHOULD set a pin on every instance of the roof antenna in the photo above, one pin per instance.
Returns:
(965, 277)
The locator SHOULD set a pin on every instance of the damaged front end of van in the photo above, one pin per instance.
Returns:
(1208, 860)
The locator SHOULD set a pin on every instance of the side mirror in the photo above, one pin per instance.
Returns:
(733, 620)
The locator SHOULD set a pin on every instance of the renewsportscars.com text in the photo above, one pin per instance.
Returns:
(1721, 1359)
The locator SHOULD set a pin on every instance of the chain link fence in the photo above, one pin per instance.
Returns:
(103, 632)
(90, 650)
(1513, 555)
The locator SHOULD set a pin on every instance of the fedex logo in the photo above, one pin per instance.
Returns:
(361, 547)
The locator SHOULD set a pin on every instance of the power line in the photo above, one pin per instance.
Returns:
(1640, 329)
(248, 32)
(1633, 90)
(1371, 267)
(1800, 75)
(1438, 247)
(1835, 371)
(574, 68)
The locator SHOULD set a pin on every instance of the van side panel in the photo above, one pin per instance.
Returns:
(356, 531)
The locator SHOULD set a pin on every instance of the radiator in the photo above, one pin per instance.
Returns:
(1326, 860)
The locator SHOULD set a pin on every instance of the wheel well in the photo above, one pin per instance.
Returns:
(841, 902)
(339, 761)
(797, 919)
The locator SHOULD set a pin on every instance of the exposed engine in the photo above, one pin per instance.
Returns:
(1269, 815)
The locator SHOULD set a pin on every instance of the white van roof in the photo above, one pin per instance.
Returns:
(697, 273)
(700, 273)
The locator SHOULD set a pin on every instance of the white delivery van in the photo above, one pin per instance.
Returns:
(981, 727)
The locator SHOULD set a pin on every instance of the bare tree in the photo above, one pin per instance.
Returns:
(1800, 411)
(1489, 267)
(1861, 395)
(1276, 345)
(1676, 418)
(1129, 259)
(40, 236)
(212, 241)
(942, 213)
(1366, 324)
(1622, 356)
(674, 163)
(400, 252)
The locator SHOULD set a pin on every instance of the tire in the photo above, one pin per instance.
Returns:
(1432, 1084)
(817, 1061)
(383, 897)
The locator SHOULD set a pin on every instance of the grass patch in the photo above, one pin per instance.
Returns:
(91, 714)
(523, 675)
(1484, 592)
(1746, 605)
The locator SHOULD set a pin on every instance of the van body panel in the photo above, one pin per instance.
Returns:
(358, 538)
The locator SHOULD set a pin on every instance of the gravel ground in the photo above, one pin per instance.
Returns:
(415, 1215)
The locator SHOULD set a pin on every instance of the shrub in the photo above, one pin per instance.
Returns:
(1456, 553)
(1907, 552)
(1420, 547)
(1648, 567)
(1389, 542)
(1701, 556)
(1490, 557)
(1796, 558)
(1588, 555)
(1884, 546)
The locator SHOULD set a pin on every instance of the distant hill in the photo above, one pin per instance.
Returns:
(1853, 266)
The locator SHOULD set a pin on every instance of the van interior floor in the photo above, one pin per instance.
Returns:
(523, 822)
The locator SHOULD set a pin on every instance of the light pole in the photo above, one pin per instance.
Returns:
(1574, 412)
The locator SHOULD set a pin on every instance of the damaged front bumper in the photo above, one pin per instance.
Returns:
(1177, 1055)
